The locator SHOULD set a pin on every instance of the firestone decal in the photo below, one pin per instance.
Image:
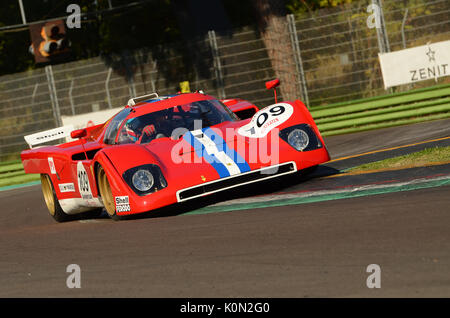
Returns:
(122, 204)
(267, 119)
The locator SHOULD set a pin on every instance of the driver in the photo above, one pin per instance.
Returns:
(157, 129)
(128, 134)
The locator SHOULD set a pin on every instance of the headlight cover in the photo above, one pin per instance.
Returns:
(145, 179)
(301, 137)
(298, 139)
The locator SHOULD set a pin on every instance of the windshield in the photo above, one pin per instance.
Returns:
(162, 123)
(114, 125)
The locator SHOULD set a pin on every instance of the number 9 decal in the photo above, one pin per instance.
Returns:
(267, 119)
(277, 110)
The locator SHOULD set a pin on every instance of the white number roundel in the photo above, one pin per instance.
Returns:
(267, 119)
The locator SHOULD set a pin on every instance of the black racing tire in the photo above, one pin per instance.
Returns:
(53, 206)
(106, 194)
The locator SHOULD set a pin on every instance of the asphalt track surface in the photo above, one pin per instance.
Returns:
(301, 249)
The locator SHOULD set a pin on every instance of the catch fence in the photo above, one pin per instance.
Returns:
(322, 57)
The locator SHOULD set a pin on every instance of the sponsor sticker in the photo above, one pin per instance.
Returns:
(267, 119)
(420, 63)
(51, 164)
(122, 204)
(66, 187)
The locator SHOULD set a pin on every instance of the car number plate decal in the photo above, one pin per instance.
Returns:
(83, 184)
(267, 119)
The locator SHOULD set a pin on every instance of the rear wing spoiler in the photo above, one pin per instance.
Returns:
(48, 135)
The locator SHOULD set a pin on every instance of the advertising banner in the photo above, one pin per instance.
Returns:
(420, 63)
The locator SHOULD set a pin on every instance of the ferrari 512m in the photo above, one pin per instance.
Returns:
(161, 150)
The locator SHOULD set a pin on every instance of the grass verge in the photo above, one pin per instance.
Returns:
(416, 159)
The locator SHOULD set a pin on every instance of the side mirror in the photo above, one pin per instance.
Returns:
(273, 84)
(79, 133)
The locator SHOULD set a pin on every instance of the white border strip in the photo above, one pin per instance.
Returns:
(318, 193)
(239, 184)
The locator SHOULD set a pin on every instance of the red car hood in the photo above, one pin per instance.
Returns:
(217, 151)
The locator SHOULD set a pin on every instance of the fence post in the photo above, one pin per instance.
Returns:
(403, 28)
(108, 95)
(34, 93)
(72, 105)
(382, 36)
(152, 80)
(217, 64)
(132, 87)
(298, 59)
(53, 95)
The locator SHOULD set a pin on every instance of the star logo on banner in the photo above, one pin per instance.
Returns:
(430, 55)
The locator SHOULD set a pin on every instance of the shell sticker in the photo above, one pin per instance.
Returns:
(122, 204)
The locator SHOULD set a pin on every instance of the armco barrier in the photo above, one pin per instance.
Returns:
(384, 111)
(12, 173)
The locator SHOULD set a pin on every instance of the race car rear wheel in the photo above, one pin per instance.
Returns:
(54, 208)
(106, 194)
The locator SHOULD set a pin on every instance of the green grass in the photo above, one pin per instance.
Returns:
(416, 159)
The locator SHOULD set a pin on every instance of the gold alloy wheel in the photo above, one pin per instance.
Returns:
(105, 192)
(47, 190)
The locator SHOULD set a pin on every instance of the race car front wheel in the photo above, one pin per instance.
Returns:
(106, 193)
(52, 201)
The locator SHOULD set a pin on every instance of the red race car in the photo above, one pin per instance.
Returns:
(161, 150)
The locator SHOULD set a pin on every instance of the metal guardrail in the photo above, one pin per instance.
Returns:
(386, 111)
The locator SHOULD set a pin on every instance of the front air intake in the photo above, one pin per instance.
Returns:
(236, 181)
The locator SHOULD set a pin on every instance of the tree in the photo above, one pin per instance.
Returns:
(271, 15)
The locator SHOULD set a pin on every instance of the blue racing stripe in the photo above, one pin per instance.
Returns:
(201, 152)
(222, 146)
